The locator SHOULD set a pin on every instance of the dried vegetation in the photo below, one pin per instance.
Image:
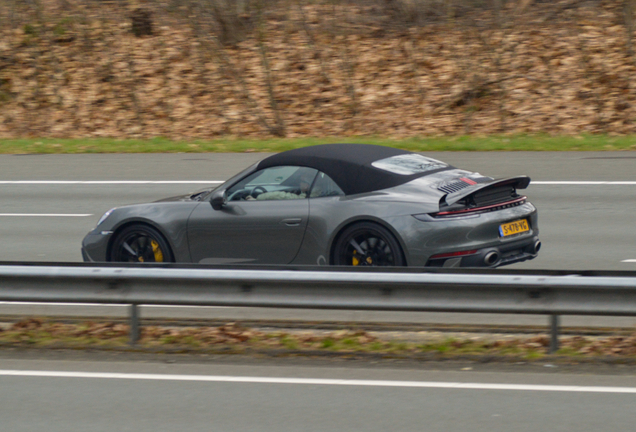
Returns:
(394, 68)
(235, 338)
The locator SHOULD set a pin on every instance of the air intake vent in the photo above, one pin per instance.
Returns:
(453, 187)
(462, 183)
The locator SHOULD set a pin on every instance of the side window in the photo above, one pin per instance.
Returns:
(274, 183)
(324, 186)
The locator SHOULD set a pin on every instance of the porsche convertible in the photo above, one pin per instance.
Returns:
(331, 204)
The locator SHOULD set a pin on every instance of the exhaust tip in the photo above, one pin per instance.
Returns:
(491, 258)
(537, 246)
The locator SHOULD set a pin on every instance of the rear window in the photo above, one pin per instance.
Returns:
(408, 164)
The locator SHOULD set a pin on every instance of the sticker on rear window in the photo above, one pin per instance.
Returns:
(409, 164)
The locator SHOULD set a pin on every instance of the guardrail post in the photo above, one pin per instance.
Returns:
(554, 333)
(134, 323)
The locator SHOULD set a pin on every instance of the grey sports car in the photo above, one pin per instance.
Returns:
(338, 204)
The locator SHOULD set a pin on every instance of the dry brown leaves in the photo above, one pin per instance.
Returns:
(36, 331)
(547, 67)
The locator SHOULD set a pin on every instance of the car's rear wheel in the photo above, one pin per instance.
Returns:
(140, 243)
(367, 244)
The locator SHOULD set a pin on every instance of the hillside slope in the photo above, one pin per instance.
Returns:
(296, 68)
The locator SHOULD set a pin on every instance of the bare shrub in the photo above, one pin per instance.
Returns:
(628, 14)
(415, 11)
(407, 13)
(279, 128)
(141, 22)
(230, 21)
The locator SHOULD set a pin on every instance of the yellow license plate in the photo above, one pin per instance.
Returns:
(515, 227)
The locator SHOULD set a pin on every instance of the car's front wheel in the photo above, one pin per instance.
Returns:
(140, 243)
(367, 244)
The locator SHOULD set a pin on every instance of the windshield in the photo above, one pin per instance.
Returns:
(409, 164)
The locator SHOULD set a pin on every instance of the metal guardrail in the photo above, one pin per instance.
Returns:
(486, 292)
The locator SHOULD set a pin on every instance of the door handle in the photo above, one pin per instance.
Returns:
(292, 222)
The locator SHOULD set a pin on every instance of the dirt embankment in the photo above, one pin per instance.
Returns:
(395, 68)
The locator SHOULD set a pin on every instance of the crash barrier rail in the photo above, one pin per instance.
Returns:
(552, 293)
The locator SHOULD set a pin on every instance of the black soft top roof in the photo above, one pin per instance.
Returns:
(349, 165)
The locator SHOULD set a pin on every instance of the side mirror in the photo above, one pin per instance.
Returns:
(218, 200)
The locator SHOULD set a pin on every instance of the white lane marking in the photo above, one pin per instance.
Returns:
(629, 261)
(44, 215)
(318, 381)
(111, 305)
(60, 304)
(583, 183)
(110, 181)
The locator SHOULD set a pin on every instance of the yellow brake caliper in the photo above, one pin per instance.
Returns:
(355, 260)
(157, 251)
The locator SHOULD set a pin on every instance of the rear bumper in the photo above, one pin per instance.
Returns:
(480, 234)
(496, 256)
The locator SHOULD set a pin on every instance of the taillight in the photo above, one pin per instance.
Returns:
(483, 209)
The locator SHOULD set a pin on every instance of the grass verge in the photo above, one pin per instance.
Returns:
(459, 143)
(235, 339)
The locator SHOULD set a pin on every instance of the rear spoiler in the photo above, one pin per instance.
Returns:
(520, 182)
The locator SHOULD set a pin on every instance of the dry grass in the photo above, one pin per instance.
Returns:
(236, 339)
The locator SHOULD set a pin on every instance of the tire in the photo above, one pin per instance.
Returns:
(140, 243)
(367, 244)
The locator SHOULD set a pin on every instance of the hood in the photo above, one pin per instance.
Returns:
(192, 196)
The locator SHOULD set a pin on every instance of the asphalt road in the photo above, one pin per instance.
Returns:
(49, 202)
(583, 226)
(140, 396)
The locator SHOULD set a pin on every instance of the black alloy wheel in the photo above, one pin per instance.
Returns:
(368, 244)
(140, 243)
